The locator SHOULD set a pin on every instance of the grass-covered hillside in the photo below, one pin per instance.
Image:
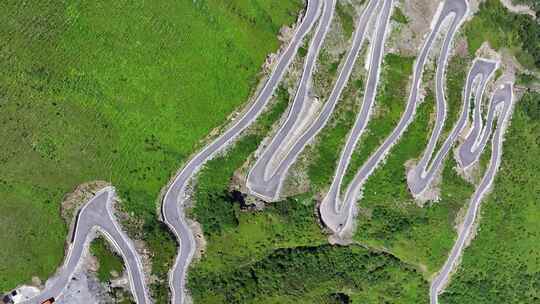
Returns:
(122, 91)
(502, 265)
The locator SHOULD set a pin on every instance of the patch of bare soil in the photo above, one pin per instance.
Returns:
(410, 37)
(296, 182)
(433, 190)
(78, 197)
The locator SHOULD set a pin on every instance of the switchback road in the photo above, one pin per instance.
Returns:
(174, 199)
(265, 181)
(337, 213)
(419, 177)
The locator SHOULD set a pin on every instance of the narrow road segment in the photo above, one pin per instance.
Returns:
(262, 181)
(329, 208)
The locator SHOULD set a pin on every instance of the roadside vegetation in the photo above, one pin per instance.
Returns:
(111, 266)
(399, 17)
(279, 254)
(321, 274)
(121, 91)
(323, 157)
(345, 12)
(109, 261)
(133, 105)
(282, 265)
(389, 105)
(389, 218)
(502, 263)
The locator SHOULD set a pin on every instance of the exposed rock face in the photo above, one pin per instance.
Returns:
(85, 287)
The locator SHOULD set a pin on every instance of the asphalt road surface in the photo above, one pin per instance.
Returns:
(476, 140)
(420, 176)
(338, 215)
(98, 215)
(500, 106)
(268, 186)
(173, 201)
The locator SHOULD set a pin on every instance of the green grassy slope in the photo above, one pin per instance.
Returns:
(388, 217)
(389, 105)
(115, 90)
(315, 275)
(86, 96)
(502, 263)
(246, 263)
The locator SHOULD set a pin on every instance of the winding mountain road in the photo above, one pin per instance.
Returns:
(473, 146)
(500, 106)
(266, 177)
(338, 214)
(174, 199)
(266, 183)
(96, 215)
(419, 177)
